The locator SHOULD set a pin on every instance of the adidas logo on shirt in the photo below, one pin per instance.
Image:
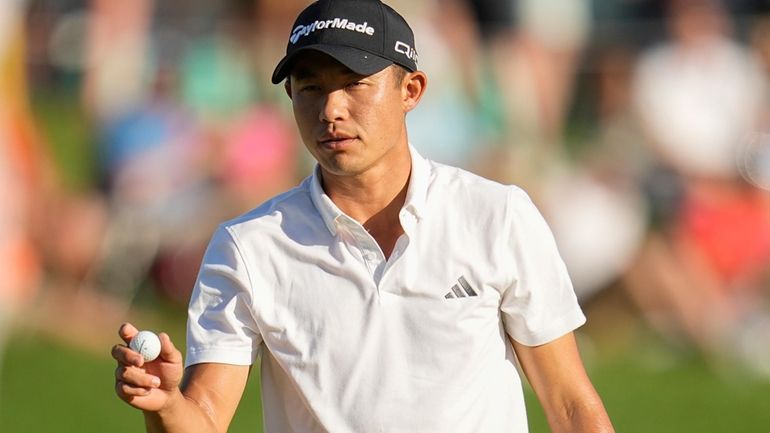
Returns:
(461, 290)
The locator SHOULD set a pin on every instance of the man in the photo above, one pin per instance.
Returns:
(386, 292)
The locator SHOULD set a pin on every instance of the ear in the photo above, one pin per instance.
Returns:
(287, 86)
(413, 88)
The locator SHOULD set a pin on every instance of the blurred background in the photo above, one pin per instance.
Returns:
(641, 128)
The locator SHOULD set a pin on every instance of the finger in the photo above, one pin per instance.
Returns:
(134, 376)
(126, 356)
(168, 351)
(127, 392)
(127, 331)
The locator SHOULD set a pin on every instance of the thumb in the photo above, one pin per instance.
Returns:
(168, 351)
(127, 331)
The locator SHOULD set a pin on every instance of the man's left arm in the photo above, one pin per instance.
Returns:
(556, 373)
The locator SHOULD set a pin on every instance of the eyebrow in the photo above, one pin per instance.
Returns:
(303, 74)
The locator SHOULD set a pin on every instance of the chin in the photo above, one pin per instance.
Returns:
(342, 167)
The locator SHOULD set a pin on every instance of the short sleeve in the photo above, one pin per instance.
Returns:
(540, 304)
(221, 326)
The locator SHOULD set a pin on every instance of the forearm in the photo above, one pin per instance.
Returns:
(181, 415)
(586, 417)
(557, 375)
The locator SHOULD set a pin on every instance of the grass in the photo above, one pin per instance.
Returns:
(49, 386)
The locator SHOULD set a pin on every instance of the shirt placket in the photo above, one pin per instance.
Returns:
(368, 249)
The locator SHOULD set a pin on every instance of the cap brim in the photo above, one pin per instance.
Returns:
(359, 61)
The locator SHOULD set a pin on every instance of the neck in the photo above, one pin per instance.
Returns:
(368, 194)
(374, 198)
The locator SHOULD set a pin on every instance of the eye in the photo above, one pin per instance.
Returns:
(309, 88)
(355, 84)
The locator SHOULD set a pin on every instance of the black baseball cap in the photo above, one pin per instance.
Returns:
(364, 35)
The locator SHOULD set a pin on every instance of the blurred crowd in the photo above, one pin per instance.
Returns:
(641, 128)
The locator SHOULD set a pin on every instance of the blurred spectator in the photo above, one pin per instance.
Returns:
(443, 31)
(699, 95)
(170, 103)
(535, 65)
(258, 157)
(551, 37)
(598, 222)
(23, 177)
(159, 194)
(20, 164)
(192, 146)
(63, 216)
(593, 202)
(117, 46)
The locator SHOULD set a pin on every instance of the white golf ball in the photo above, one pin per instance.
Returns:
(147, 344)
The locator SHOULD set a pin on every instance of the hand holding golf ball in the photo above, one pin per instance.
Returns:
(147, 344)
(139, 382)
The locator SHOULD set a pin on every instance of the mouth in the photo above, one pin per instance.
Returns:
(336, 141)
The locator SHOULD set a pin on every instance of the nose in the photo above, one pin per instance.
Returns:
(334, 107)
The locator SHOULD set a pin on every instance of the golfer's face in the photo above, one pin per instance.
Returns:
(349, 122)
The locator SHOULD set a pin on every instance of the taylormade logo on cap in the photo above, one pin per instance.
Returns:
(365, 36)
(336, 23)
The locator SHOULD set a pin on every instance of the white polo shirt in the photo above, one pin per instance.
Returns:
(352, 342)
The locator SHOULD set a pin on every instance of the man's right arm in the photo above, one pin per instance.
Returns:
(205, 402)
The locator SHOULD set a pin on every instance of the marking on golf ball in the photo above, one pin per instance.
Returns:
(147, 344)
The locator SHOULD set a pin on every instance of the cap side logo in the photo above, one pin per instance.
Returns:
(336, 23)
(405, 49)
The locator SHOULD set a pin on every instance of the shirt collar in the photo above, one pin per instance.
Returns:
(415, 194)
(326, 207)
(418, 184)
